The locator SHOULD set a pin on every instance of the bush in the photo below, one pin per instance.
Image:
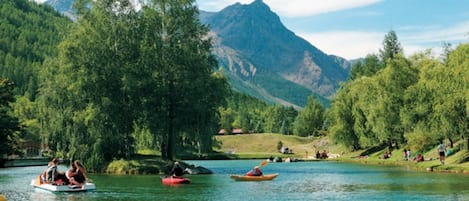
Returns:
(279, 145)
(121, 167)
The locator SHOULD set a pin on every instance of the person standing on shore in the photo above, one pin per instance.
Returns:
(442, 152)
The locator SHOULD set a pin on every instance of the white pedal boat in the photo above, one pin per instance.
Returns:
(62, 188)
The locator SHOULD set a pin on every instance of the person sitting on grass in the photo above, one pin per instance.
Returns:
(419, 158)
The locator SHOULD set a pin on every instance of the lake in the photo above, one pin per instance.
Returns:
(296, 181)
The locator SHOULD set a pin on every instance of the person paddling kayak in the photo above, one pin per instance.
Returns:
(256, 171)
(177, 170)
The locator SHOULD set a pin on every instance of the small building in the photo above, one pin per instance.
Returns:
(235, 131)
(31, 148)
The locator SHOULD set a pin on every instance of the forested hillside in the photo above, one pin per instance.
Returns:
(29, 33)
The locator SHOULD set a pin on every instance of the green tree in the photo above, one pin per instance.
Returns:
(391, 47)
(9, 125)
(86, 93)
(451, 101)
(30, 34)
(417, 114)
(368, 67)
(311, 119)
(392, 82)
(226, 119)
(26, 112)
(186, 92)
(370, 112)
(341, 121)
(365, 93)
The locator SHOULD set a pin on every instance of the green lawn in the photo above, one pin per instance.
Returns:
(264, 145)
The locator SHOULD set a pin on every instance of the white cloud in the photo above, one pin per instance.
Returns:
(292, 8)
(356, 44)
(437, 34)
(40, 1)
(217, 5)
(302, 8)
(347, 44)
(432, 37)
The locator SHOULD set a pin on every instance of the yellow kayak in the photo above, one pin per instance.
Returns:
(254, 178)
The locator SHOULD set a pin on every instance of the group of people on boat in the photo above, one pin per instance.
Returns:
(75, 176)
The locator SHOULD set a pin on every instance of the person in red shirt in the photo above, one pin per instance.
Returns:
(256, 171)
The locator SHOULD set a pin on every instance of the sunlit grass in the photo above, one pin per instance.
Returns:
(259, 146)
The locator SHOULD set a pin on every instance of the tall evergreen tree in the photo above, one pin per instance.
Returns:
(9, 125)
(29, 34)
(391, 47)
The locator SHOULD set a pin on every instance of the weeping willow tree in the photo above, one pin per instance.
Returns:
(85, 93)
(122, 70)
(418, 101)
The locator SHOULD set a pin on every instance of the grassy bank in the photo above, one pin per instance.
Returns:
(262, 146)
(455, 163)
(265, 145)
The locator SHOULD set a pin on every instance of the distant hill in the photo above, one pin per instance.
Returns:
(29, 33)
(264, 59)
(268, 61)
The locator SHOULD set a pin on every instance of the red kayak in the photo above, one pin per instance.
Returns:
(175, 180)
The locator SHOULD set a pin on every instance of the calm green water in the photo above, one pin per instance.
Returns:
(296, 181)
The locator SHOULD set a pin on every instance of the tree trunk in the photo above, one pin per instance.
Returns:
(170, 145)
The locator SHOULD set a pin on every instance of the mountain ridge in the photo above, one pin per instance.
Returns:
(257, 34)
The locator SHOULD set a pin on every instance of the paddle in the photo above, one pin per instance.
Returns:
(263, 163)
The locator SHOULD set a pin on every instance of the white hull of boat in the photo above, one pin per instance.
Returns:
(63, 188)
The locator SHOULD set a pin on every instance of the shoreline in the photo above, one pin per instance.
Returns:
(23, 162)
(429, 165)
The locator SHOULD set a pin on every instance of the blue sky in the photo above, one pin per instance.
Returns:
(355, 28)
